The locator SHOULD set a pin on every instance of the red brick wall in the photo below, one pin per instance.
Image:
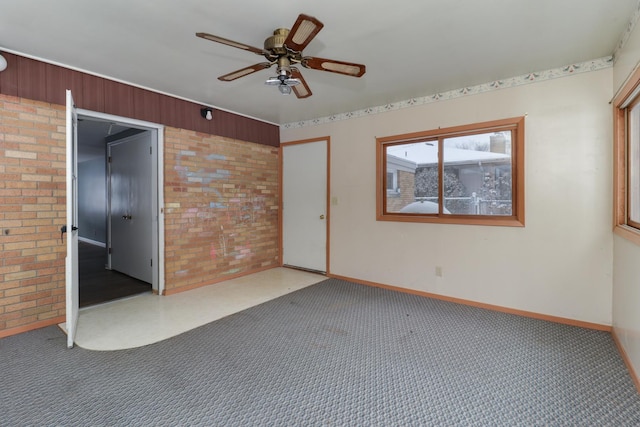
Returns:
(32, 210)
(221, 208)
(221, 211)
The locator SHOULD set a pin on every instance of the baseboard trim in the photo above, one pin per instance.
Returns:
(32, 326)
(530, 314)
(212, 282)
(308, 270)
(626, 359)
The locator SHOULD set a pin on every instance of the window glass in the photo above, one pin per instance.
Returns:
(391, 184)
(417, 166)
(477, 174)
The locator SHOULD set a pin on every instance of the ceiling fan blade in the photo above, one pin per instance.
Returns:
(304, 30)
(230, 43)
(322, 64)
(245, 71)
(301, 90)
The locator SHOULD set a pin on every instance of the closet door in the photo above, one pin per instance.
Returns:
(131, 206)
(304, 206)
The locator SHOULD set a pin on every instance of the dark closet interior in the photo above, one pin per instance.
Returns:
(97, 284)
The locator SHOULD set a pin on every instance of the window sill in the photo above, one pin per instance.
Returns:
(629, 233)
(504, 221)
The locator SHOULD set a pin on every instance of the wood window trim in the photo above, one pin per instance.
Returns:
(633, 105)
(621, 102)
(518, 212)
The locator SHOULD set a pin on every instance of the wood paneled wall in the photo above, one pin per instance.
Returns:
(40, 81)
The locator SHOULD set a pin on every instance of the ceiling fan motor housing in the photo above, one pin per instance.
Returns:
(275, 43)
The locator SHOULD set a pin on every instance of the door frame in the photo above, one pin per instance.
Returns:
(281, 230)
(157, 138)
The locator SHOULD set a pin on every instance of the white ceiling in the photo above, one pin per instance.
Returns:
(411, 48)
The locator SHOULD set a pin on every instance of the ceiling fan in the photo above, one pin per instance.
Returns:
(284, 48)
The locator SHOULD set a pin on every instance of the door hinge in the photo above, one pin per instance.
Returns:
(109, 159)
(150, 150)
(109, 250)
(151, 262)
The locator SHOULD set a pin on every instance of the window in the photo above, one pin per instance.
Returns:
(392, 180)
(627, 160)
(471, 174)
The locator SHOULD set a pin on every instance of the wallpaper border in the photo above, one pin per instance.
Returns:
(567, 70)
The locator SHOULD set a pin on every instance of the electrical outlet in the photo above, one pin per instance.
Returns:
(438, 271)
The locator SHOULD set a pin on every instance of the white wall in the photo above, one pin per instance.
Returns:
(626, 59)
(626, 298)
(626, 265)
(92, 199)
(560, 264)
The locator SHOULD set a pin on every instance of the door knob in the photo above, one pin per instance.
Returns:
(321, 216)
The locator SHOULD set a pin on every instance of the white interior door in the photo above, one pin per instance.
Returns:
(71, 261)
(304, 206)
(131, 206)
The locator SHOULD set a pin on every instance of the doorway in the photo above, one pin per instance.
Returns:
(305, 208)
(99, 280)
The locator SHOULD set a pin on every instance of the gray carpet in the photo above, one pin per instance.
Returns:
(335, 353)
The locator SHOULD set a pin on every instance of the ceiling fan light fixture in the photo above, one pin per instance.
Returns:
(291, 82)
(284, 89)
(273, 81)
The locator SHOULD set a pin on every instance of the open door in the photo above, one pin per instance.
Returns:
(71, 261)
(304, 205)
